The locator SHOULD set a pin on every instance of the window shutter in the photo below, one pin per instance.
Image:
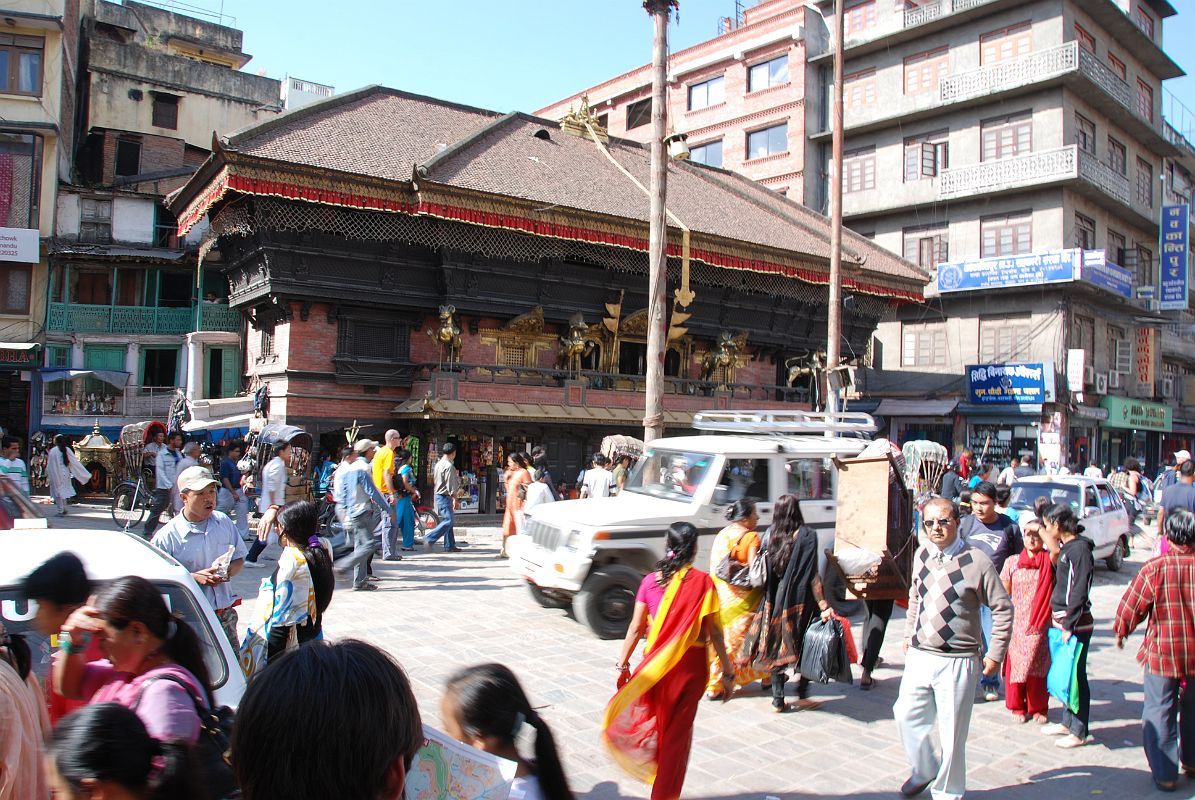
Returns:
(929, 159)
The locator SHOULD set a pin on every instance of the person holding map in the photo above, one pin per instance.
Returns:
(485, 707)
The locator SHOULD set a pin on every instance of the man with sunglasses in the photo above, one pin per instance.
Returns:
(943, 643)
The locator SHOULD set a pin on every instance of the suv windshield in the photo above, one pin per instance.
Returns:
(670, 473)
(1024, 495)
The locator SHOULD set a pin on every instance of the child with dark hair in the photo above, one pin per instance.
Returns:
(485, 707)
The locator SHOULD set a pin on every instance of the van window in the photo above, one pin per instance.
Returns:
(669, 473)
(810, 478)
(1107, 500)
(746, 478)
(1089, 500)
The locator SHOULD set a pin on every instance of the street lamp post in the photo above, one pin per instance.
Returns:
(834, 307)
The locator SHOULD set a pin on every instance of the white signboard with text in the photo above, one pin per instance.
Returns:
(19, 244)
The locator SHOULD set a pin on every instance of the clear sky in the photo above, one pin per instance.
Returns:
(505, 55)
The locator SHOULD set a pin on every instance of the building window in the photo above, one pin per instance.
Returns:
(1085, 133)
(21, 64)
(1116, 245)
(604, 121)
(1145, 22)
(859, 89)
(513, 355)
(1084, 232)
(165, 110)
(159, 366)
(1145, 101)
(1118, 160)
(165, 227)
(266, 343)
(769, 73)
(1006, 43)
(767, 142)
(859, 18)
(95, 220)
(1085, 39)
(1004, 137)
(707, 93)
(1004, 339)
(638, 113)
(1145, 266)
(1120, 355)
(1145, 183)
(923, 344)
(859, 170)
(709, 153)
(14, 288)
(1082, 335)
(1118, 67)
(926, 155)
(58, 355)
(926, 246)
(1007, 235)
(20, 180)
(925, 71)
(128, 157)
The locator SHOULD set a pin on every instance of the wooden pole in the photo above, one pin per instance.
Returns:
(653, 413)
(834, 310)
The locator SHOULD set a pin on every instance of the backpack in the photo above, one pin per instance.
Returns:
(212, 746)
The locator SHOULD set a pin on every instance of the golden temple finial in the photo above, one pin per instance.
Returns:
(583, 122)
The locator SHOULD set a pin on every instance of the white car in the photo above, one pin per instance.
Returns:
(1099, 506)
(108, 555)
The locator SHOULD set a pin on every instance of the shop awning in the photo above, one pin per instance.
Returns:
(1000, 410)
(235, 422)
(112, 377)
(915, 408)
(527, 412)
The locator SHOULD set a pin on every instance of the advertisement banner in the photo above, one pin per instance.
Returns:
(1173, 288)
(1145, 358)
(997, 273)
(989, 384)
(19, 244)
(1124, 412)
(1099, 271)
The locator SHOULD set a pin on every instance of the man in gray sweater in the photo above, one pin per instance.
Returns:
(943, 643)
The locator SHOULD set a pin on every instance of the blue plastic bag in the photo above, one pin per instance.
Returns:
(1062, 681)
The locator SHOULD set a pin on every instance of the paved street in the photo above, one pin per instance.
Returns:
(436, 613)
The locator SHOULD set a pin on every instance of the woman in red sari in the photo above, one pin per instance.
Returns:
(518, 477)
(1029, 579)
(648, 725)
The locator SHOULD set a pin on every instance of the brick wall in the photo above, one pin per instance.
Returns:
(157, 153)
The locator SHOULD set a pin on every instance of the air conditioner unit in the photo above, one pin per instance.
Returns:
(1089, 376)
(1101, 383)
(1115, 380)
(1167, 386)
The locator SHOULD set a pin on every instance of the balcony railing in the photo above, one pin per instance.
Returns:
(134, 320)
(931, 11)
(70, 398)
(1005, 75)
(1043, 166)
(1104, 178)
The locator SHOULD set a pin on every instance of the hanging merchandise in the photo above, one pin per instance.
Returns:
(411, 444)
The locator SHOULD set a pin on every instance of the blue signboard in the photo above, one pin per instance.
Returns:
(991, 384)
(998, 273)
(1099, 271)
(1172, 290)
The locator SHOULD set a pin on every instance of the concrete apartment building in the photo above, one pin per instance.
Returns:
(740, 97)
(126, 323)
(1017, 148)
(38, 62)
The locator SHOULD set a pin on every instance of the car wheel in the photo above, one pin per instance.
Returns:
(546, 599)
(607, 600)
(1116, 560)
(835, 591)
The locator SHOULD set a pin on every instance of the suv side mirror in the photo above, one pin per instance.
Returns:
(721, 495)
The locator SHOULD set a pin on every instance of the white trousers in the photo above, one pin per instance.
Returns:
(941, 688)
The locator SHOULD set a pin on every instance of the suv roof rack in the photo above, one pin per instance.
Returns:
(770, 421)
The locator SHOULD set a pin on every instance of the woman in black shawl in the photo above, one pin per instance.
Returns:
(792, 597)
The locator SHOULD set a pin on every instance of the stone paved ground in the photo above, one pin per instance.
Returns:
(437, 613)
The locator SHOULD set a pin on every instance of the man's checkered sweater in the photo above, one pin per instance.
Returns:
(944, 602)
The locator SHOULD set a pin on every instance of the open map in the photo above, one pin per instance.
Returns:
(445, 769)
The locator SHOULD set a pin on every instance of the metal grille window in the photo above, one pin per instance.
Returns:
(926, 246)
(770, 73)
(709, 153)
(1003, 339)
(21, 64)
(1009, 235)
(1118, 160)
(1085, 39)
(1004, 137)
(374, 340)
(859, 170)
(1145, 101)
(1145, 183)
(924, 71)
(638, 113)
(95, 220)
(165, 110)
(707, 93)
(514, 355)
(926, 156)
(1084, 232)
(20, 179)
(859, 18)
(923, 344)
(1006, 43)
(14, 288)
(767, 142)
(1085, 133)
(859, 89)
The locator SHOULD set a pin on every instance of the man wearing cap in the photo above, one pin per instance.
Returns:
(1170, 476)
(359, 505)
(447, 486)
(199, 536)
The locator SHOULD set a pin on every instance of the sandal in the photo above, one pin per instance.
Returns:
(713, 696)
(865, 684)
(781, 709)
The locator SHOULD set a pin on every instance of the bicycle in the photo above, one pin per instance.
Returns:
(131, 501)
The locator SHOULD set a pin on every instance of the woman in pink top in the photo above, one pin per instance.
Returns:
(155, 661)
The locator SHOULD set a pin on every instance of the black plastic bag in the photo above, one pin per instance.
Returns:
(823, 653)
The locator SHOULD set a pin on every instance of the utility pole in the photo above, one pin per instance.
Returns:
(653, 413)
(834, 310)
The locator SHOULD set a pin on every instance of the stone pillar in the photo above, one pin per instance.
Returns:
(76, 355)
(194, 374)
(132, 362)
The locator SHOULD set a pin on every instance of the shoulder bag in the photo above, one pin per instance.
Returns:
(212, 746)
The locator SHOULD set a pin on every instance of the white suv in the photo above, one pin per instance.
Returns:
(1099, 506)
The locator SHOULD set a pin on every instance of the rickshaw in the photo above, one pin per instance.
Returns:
(134, 493)
(260, 446)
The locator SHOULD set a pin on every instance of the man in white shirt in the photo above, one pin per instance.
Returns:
(273, 497)
(11, 464)
(165, 473)
(598, 479)
(1093, 471)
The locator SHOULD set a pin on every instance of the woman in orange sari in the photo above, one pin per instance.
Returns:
(648, 725)
(740, 541)
(518, 477)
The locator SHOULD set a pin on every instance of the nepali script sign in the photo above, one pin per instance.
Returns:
(1032, 269)
(1175, 242)
(990, 384)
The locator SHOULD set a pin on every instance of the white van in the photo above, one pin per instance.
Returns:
(592, 554)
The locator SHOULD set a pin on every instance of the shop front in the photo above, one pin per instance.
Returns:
(18, 360)
(1084, 434)
(1004, 411)
(1134, 428)
(919, 420)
